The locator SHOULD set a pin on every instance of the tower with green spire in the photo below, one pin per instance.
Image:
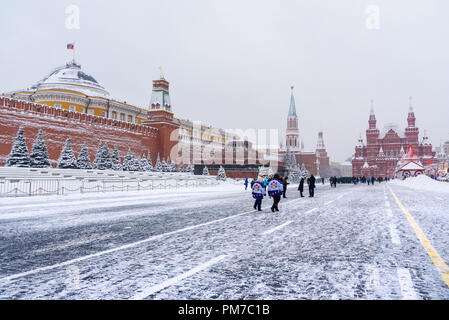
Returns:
(292, 134)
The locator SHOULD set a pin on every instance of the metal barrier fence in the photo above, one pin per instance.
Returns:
(43, 186)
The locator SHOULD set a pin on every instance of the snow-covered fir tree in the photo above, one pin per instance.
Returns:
(265, 173)
(190, 168)
(98, 155)
(221, 175)
(172, 167)
(289, 164)
(158, 167)
(150, 162)
(128, 161)
(103, 158)
(205, 171)
(67, 158)
(116, 164)
(39, 154)
(107, 157)
(19, 156)
(164, 165)
(136, 166)
(304, 172)
(83, 158)
(294, 175)
(144, 163)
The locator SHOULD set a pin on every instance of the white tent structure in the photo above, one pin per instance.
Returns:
(409, 165)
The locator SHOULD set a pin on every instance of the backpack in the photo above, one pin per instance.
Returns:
(258, 190)
(275, 188)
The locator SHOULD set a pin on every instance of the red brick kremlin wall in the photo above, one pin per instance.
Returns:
(58, 125)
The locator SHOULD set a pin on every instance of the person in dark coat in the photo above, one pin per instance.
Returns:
(246, 183)
(275, 190)
(252, 183)
(284, 184)
(311, 183)
(301, 187)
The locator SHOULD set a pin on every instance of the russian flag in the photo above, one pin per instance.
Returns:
(70, 46)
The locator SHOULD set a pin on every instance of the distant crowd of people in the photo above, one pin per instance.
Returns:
(368, 180)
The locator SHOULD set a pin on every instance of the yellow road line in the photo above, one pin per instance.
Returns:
(439, 263)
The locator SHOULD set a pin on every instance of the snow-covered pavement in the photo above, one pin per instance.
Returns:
(352, 242)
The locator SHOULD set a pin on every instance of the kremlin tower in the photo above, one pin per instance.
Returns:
(160, 116)
(292, 134)
(317, 161)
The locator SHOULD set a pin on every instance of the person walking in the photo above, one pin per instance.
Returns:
(311, 183)
(372, 180)
(258, 191)
(301, 187)
(284, 185)
(368, 180)
(246, 183)
(252, 183)
(275, 190)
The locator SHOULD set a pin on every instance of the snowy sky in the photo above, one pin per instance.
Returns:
(231, 63)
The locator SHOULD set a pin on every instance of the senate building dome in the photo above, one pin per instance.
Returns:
(70, 88)
(71, 77)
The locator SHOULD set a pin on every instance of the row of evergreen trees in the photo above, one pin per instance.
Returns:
(104, 160)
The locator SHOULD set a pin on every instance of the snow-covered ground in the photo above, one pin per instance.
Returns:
(208, 243)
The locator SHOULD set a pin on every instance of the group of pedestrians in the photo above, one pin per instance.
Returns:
(368, 180)
(311, 184)
(276, 188)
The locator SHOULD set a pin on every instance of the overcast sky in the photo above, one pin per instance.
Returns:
(231, 63)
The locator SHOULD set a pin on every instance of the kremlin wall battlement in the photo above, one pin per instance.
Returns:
(59, 124)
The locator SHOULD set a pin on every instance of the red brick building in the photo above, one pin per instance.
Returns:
(383, 149)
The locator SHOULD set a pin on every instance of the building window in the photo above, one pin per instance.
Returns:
(57, 105)
(122, 117)
(72, 108)
(114, 115)
(91, 111)
(130, 119)
(103, 114)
